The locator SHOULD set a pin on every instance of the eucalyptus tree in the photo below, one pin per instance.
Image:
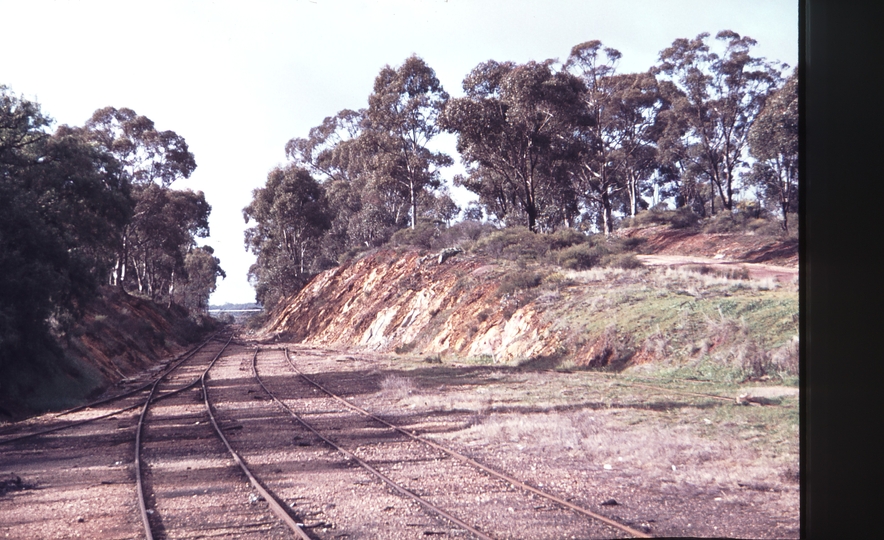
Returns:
(399, 124)
(291, 214)
(147, 156)
(61, 200)
(333, 154)
(513, 131)
(721, 94)
(773, 142)
(166, 225)
(617, 146)
(203, 270)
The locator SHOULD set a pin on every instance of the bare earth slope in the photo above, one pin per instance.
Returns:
(409, 302)
(118, 336)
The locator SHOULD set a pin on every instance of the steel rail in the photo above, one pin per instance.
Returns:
(180, 359)
(139, 484)
(384, 478)
(183, 357)
(275, 506)
(512, 481)
(112, 413)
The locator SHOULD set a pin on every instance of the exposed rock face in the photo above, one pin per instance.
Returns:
(528, 311)
(388, 301)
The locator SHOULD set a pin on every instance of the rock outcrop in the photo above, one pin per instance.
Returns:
(407, 302)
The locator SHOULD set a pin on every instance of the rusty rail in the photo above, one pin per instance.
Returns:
(181, 359)
(509, 479)
(275, 506)
(384, 478)
(139, 484)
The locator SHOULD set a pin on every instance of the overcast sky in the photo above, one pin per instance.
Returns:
(237, 80)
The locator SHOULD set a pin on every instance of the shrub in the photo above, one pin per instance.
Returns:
(518, 281)
(513, 243)
(633, 243)
(464, 232)
(405, 348)
(626, 261)
(681, 218)
(580, 257)
(422, 236)
(565, 238)
(725, 222)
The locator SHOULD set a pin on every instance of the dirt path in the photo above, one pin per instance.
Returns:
(758, 271)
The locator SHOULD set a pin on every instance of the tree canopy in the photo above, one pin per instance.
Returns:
(545, 145)
(77, 205)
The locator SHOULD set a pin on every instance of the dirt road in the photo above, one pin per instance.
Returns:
(783, 274)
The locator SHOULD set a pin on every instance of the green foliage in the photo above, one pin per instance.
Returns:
(203, 269)
(580, 257)
(511, 131)
(291, 214)
(518, 281)
(717, 92)
(423, 236)
(626, 261)
(513, 243)
(682, 218)
(62, 202)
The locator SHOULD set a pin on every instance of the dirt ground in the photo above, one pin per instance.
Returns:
(665, 461)
(758, 271)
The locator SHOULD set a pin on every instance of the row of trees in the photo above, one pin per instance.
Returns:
(91, 205)
(545, 144)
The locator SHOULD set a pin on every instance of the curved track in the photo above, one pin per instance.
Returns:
(187, 487)
(433, 468)
(173, 365)
(506, 478)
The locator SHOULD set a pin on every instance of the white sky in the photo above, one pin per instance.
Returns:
(237, 80)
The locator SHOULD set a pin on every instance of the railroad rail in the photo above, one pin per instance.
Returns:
(139, 483)
(467, 460)
(350, 455)
(175, 364)
(275, 506)
(273, 502)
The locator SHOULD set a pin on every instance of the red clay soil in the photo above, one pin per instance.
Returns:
(663, 240)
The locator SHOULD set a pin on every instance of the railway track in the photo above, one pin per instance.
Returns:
(129, 395)
(239, 442)
(89, 460)
(186, 485)
(441, 460)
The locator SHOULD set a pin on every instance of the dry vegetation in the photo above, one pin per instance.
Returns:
(573, 431)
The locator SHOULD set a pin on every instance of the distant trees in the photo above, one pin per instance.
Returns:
(616, 144)
(719, 95)
(773, 142)
(397, 126)
(152, 247)
(545, 144)
(291, 214)
(77, 206)
(514, 131)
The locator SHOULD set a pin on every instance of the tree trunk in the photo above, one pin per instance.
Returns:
(413, 204)
(633, 195)
(607, 218)
(171, 289)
